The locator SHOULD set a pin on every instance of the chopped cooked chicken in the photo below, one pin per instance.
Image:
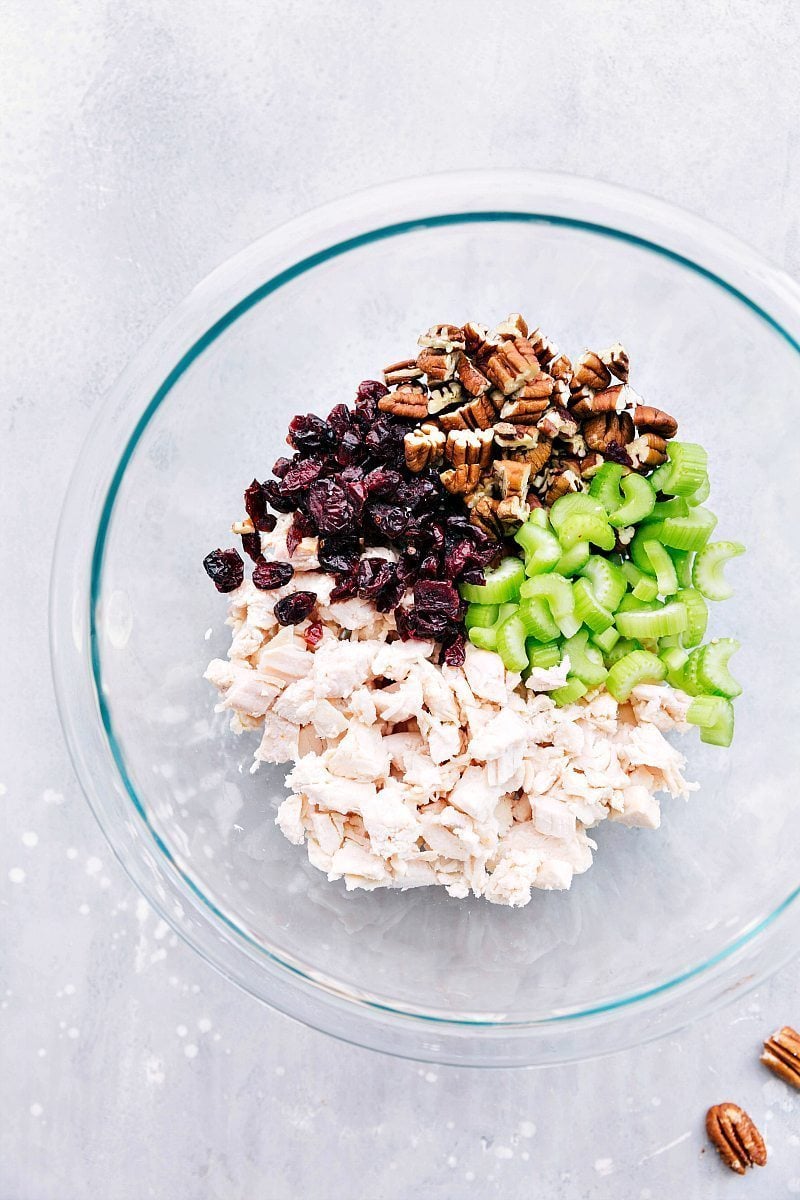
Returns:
(409, 774)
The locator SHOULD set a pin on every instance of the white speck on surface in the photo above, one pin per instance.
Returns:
(655, 1101)
(503, 1152)
(84, 910)
(527, 1129)
(69, 989)
(208, 633)
(204, 1024)
(190, 1051)
(93, 866)
(181, 1031)
(142, 910)
(41, 1052)
(604, 1166)
(72, 1032)
(469, 1176)
(16, 875)
(669, 1146)
(525, 1155)
(431, 1077)
(50, 796)
(3, 789)
(794, 1139)
(452, 1161)
(30, 839)
(36, 1109)
(154, 1070)
(72, 853)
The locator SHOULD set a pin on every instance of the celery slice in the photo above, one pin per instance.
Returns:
(628, 672)
(535, 616)
(687, 533)
(683, 566)
(667, 619)
(663, 566)
(639, 502)
(576, 504)
(605, 486)
(557, 591)
(685, 472)
(714, 715)
(712, 668)
(570, 693)
(541, 546)
(503, 583)
(607, 579)
(583, 527)
(481, 616)
(696, 616)
(484, 639)
(511, 643)
(623, 646)
(588, 608)
(707, 573)
(574, 560)
(585, 661)
(607, 639)
(543, 654)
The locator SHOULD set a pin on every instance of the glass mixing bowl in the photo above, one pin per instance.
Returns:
(666, 925)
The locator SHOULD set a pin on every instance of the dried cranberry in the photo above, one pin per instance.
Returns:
(613, 452)
(456, 651)
(383, 482)
(330, 507)
(390, 521)
(345, 585)
(313, 635)
(280, 467)
(310, 433)
(269, 575)
(294, 608)
(430, 566)
(373, 574)
(301, 527)
(281, 503)
(385, 440)
(225, 568)
(370, 391)
(458, 557)
(439, 597)
(338, 555)
(349, 449)
(340, 420)
(301, 475)
(251, 544)
(356, 494)
(255, 501)
(474, 575)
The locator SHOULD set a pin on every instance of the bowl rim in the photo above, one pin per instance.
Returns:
(232, 289)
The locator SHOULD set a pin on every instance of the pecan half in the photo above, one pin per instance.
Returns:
(654, 420)
(460, 480)
(558, 422)
(464, 446)
(613, 399)
(423, 447)
(404, 371)
(444, 396)
(616, 359)
(512, 365)
(472, 380)
(512, 477)
(736, 1138)
(437, 365)
(561, 368)
(537, 455)
(561, 483)
(782, 1054)
(478, 414)
(515, 437)
(513, 510)
(591, 464)
(514, 326)
(443, 337)
(648, 450)
(483, 513)
(608, 429)
(405, 401)
(523, 411)
(543, 348)
(590, 372)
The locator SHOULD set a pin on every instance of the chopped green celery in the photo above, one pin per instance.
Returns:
(690, 681)
(503, 583)
(683, 566)
(628, 672)
(484, 639)
(638, 504)
(543, 654)
(511, 643)
(674, 659)
(480, 616)
(542, 548)
(607, 579)
(701, 495)
(607, 640)
(707, 573)
(605, 486)
(712, 668)
(685, 472)
(583, 527)
(696, 616)
(535, 616)
(624, 646)
(557, 591)
(714, 715)
(574, 560)
(585, 661)
(676, 507)
(588, 608)
(646, 589)
(575, 504)
(539, 517)
(686, 533)
(663, 566)
(631, 603)
(570, 693)
(670, 618)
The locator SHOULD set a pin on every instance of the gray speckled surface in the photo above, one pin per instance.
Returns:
(144, 142)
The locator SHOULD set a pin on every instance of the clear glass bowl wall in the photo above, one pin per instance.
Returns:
(664, 924)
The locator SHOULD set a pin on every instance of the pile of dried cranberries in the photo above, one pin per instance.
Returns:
(347, 484)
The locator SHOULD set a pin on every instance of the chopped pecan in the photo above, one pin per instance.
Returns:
(444, 396)
(404, 371)
(244, 526)
(590, 372)
(543, 348)
(515, 437)
(537, 456)
(561, 368)
(405, 401)
(523, 412)
(616, 359)
(735, 1137)
(591, 464)
(514, 326)
(513, 510)
(483, 513)
(557, 422)
(541, 385)
(464, 446)
(437, 365)
(561, 483)
(608, 429)
(472, 380)
(477, 336)
(512, 365)
(512, 477)
(423, 448)
(478, 414)
(443, 337)
(613, 399)
(460, 480)
(782, 1055)
(648, 450)
(654, 420)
